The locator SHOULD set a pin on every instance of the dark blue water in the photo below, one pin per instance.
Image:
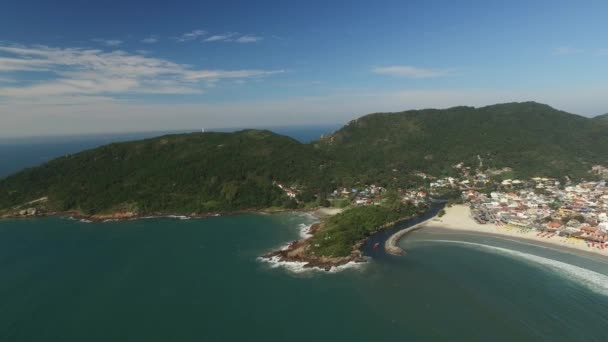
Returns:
(200, 280)
(19, 153)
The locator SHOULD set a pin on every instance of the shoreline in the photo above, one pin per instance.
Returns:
(128, 216)
(458, 218)
(391, 244)
(295, 253)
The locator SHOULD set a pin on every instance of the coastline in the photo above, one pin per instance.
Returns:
(295, 255)
(130, 216)
(391, 244)
(458, 218)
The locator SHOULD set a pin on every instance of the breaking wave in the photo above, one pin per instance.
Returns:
(298, 267)
(594, 281)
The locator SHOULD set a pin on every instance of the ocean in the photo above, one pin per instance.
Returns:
(201, 280)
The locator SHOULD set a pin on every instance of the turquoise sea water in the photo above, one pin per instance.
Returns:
(200, 280)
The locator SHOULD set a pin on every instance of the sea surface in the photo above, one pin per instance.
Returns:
(19, 153)
(201, 280)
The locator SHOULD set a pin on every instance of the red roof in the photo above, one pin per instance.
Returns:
(555, 224)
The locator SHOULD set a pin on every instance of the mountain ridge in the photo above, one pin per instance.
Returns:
(211, 172)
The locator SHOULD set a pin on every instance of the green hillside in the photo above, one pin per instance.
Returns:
(603, 117)
(208, 172)
(177, 173)
(530, 137)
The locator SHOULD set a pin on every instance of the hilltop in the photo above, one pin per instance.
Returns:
(532, 138)
(184, 173)
(256, 169)
(600, 118)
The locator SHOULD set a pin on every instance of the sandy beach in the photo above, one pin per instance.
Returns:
(458, 218)
(327, 212)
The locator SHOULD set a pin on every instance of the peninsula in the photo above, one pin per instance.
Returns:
(382, 168)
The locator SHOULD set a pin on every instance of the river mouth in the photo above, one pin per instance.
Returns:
(370, 247)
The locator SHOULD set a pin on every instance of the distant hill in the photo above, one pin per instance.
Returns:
(533, 138)
(209, 172)
(176, 173)
(603, 117)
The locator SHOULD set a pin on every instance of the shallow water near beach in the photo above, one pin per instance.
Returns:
(200, 280)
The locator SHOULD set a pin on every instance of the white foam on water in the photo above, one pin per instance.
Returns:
(298, 267)
(180, 217)
(594, 281)
(305, 230)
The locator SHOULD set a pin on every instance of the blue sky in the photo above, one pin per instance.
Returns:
(111, 66)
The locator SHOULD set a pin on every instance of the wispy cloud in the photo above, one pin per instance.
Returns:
(566, 50)
(201, 35)
(220, 74)
(224, 37)
(249, 39)
(150, 40)
(88, 72)
(188, 36)
(409, 71)
(108, 42)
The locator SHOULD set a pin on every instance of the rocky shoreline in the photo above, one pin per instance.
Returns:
(298, 251)
(129, 216)
(391, 247)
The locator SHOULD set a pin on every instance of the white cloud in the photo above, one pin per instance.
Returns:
(409, 71)
(188, 36)
(87, 72)
(150, 40)
(219, 74)
(225, 37)
(249, 39)
(108, 42)
(218, 37)
(233, 37)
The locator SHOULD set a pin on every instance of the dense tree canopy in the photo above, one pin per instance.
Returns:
(208, 172)
(532, 138)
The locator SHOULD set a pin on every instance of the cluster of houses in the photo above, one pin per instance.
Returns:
(576, 210)
(366, 195)
(599, 170)
(289, 191)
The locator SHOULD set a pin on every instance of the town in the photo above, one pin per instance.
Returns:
(549, 206)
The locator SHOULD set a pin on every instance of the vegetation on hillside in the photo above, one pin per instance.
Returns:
(210, 172)
(341, 232)
(532, 138)
(177, 173)
(603, 117)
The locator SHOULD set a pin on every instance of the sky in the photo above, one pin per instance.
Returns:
(74, 67)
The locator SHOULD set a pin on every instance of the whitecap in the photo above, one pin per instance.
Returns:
(304, 230)
(299, 267)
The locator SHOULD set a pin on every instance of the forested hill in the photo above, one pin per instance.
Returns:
(209, 172)
(532, 138)
(603, 117)
(198, 172)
